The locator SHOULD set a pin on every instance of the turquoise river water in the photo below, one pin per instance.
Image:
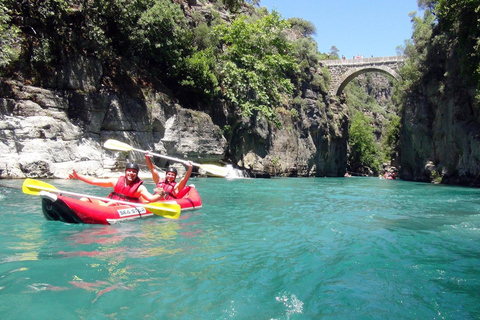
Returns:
(288, 248)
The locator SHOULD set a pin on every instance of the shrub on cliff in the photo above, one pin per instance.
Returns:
(364, 152)
(460, 21)
(9, 40)
(254, 64)
(448, 31)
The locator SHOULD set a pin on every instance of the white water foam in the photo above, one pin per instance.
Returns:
(291, 302)
(233, 173)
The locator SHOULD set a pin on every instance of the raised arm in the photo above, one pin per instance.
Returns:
(95, 181)
(179, 186)
(155, 175)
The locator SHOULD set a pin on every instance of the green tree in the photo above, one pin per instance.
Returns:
(364, 152)
(9, 38)
(256, 60)
(198, 73)
(448, 30)
(416, 51)
(460, 21)
(307, 57)
(333, 54)
(162, 35)
(305, 27)
(391, 138)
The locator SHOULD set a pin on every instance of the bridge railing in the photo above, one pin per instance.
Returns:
(363, 60)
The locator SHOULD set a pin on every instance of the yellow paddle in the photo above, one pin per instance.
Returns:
(211, 168)
(169, 210)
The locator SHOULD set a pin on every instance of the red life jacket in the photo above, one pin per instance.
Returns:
(169, 188)
(125, 192)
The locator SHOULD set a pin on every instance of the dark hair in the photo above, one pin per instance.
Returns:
(172, 169)
(133, 166)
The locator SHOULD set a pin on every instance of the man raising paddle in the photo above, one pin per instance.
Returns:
(126, 188)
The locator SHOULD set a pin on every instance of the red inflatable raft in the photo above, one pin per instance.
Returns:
(73, 210)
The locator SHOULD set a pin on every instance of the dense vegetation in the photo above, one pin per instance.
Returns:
(247, 60)
(374, 126)
(448, 30)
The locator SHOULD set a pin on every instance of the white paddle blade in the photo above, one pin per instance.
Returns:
(117, 145)
(215, 170)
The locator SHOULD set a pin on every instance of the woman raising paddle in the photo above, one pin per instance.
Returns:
(168, 187)
(126, 188)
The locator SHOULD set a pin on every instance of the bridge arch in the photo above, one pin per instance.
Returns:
(352, 74)
(343, 71)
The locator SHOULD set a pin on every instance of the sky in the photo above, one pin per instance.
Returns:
(354, 27)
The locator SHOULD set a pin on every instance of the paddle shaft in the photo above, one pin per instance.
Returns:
(167, 157)
(100, 198)
(120, 146)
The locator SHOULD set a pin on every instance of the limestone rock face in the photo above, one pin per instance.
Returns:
(441, 134)
(314, 143)
(47, 133)
(190, 134)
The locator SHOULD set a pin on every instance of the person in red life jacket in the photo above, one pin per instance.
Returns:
(126, 188)
(168, 186)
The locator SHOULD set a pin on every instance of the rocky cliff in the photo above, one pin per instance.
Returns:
(47, 132)
(440, 134)
(311, 143)
(60, 121)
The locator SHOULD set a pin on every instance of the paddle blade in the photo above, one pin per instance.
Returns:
(34, 187)
(169, 210)
(215, 170)
(117, 145)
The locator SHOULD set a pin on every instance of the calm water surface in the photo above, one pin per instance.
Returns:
(306, 248)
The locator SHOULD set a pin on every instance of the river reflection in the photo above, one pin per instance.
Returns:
(114, 255)
(144, 239)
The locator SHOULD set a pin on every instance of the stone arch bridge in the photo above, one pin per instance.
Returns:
(344, 70)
